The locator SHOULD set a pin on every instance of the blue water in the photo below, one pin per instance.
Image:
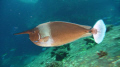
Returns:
(17, 16)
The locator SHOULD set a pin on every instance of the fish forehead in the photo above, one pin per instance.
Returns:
(34, 35)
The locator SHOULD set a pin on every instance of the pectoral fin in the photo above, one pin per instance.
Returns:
(45, 39)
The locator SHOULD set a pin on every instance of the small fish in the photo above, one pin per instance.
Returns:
(58, 33)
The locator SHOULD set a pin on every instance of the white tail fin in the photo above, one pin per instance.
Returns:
(100, 31)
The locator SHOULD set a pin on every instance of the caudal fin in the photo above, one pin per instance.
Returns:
(98, 31)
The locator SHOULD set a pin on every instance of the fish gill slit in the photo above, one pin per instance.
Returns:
(39, 36)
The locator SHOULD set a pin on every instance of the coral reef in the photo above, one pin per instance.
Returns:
(102, 54)
(54, 64)
(90, 42)
(109, 28)
(60, 52)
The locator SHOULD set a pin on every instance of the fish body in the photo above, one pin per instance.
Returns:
(58, 33)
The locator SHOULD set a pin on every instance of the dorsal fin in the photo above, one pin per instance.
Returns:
(86, 27)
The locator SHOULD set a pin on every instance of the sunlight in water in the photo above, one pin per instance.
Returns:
(29, 1)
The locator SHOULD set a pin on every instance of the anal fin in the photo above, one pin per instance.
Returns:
(87, 34)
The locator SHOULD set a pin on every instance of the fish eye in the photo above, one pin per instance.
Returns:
(33, 32)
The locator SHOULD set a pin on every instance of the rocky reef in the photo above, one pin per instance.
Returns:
(83, 52)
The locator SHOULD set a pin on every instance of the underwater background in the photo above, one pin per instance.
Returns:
(21, 15)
